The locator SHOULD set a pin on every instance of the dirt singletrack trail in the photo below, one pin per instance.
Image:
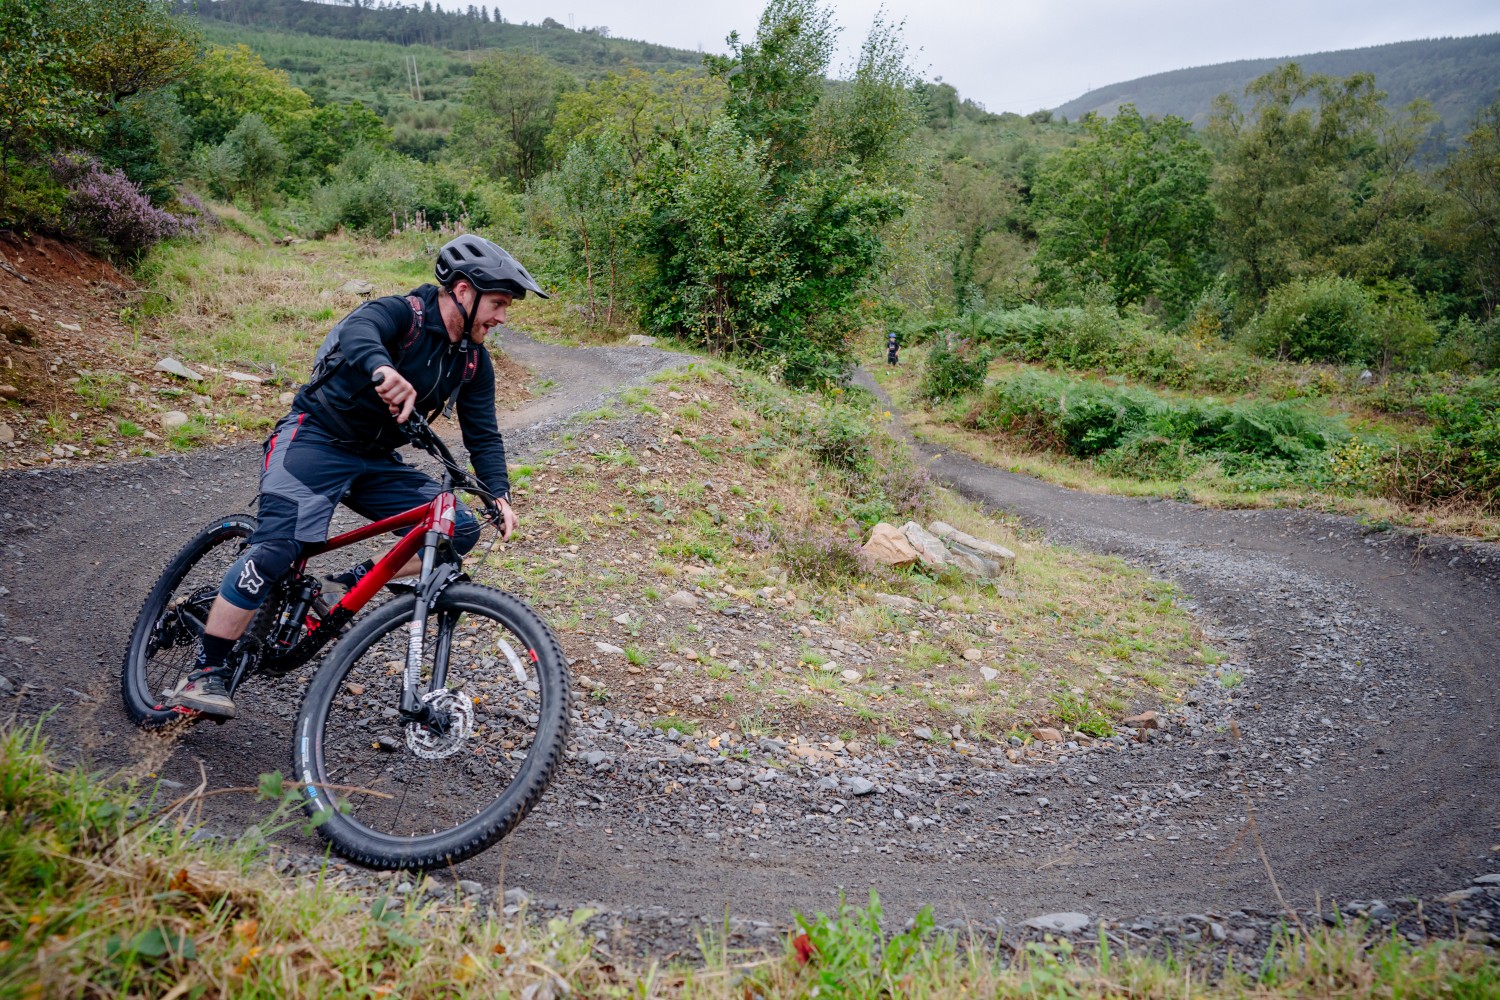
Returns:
(1362, 737)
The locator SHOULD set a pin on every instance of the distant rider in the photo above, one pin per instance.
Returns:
(339, 441)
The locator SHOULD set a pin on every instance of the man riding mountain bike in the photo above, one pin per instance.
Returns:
(426, 352)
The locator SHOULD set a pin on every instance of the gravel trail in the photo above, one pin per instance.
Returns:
(1355, 722)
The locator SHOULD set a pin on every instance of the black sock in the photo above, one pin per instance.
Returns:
(352, 575)
(215, 651)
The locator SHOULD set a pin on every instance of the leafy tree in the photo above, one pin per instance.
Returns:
(1472, 176)
(721, 254)
(1317, 179)
(978, 221)
(875, 116)
(120, 48)
(761, 237)
(39, 99)
(776, 82)
(248, 161)
(1127, 208)
(507, 114)
(320, 139)
(637, 110)
(589, 198)
(229, 83)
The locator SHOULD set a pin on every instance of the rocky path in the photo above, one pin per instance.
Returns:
(1354, 722)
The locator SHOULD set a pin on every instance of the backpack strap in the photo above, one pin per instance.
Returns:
(416, 325)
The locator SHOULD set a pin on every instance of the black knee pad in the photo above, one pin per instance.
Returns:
(465, 531)
(249, 579)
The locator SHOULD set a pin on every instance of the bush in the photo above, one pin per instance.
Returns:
(105, 209)
(821, 556)
(1316, 319)
(842, 440)
(1099, 338)
(1142, 434)
(955, 367)
(375, 192)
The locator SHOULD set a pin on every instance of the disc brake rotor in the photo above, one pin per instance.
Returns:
(435, 746)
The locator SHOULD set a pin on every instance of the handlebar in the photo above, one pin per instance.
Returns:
(421, 435)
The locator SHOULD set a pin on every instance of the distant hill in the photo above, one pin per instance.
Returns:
(588, 51)
(1458, 75)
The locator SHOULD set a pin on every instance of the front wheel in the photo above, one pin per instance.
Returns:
(394, 794)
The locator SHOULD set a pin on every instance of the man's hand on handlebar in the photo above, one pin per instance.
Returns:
(395, 392)
(504, 518)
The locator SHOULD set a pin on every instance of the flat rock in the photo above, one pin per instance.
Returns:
(1488, 880)
(682, 599)
(174, 367)
(357, 286)
(611, 649)
(860, 786)
(851, 675)
(1146, 720)
(952, 535)
(243, 377)
(889, 547)
(896, 601)
(173, 419)
(287, 398)
(973, 555)
(1063, 923)
(639, 340)
(7, 434)
(930, 548)
(988, 673)
(1046, 734)
(973, 655)
(8, 391)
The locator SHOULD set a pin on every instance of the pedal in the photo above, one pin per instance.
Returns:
(401, 588)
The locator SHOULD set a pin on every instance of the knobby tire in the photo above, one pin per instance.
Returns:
(346, 737)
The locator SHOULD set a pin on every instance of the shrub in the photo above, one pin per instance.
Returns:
(1139, 433)
(105, 209)
(955, 367)
(842, 440)
(819, 555)
(1315, 319)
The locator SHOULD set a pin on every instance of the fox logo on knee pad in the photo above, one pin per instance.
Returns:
(250, 579)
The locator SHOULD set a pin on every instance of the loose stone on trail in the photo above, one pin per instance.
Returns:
(1062, 923)
(174, 367)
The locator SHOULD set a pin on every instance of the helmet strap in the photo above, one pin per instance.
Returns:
(467, 314)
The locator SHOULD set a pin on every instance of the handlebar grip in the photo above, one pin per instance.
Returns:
(378, 378)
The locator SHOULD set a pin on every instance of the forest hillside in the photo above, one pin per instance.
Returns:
(1457, 75)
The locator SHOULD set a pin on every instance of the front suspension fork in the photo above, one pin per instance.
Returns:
(412, 707)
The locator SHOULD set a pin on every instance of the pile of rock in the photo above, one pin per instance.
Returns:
(936, 546)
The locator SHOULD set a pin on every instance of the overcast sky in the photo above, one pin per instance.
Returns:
(1028, 54)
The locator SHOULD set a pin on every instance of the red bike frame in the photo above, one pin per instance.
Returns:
(436, 516)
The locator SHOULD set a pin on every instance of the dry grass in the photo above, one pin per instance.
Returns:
(95, 904)
(689, 487)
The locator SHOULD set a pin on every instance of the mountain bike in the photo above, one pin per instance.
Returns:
(433, 723)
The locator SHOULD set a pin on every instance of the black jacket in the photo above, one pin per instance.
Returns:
(346, 405)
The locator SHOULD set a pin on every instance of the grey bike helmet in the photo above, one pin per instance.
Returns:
(485, 266)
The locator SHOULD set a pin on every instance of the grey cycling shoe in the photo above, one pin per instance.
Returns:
(204, 691)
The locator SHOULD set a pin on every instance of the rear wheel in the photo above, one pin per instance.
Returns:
(164, 642)
(395, 794)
